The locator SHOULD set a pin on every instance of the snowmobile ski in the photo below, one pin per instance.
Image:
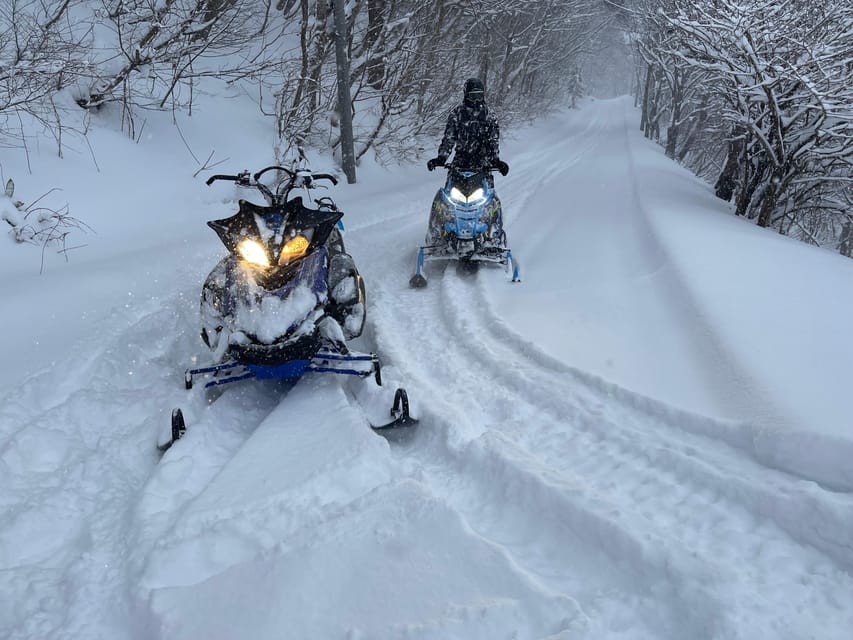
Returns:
(399, 413)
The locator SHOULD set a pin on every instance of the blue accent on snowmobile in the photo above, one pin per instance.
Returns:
(420, 268)
(323, 355)
(346, 372)
(312, 271)
(214, 368)
(221, 381)
(511, 260)
(320, 258)
(293, 370)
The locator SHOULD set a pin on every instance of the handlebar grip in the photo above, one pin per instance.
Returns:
(324, 176)
(212, 179)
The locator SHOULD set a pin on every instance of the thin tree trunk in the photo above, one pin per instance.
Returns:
(673, 130)
(344, 100)
(321, 47)
(727, 180)
(644, 116)
(375, 26)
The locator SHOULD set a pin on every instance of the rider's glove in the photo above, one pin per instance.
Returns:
(502, 166)
(439, 160)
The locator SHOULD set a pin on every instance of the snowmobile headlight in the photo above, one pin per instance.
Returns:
(295, 248)
(456, 194)
(253, 252)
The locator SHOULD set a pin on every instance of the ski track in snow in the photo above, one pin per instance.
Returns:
(631, 518)
(616, 490)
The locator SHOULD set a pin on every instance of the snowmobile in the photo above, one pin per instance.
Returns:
(465, 225)
(286, 299)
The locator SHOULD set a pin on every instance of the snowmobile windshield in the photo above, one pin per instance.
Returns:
(467, 181)
(276, 235)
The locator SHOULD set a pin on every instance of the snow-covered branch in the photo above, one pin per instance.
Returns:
(776, 84)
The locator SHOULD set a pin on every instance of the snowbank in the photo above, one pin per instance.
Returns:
(779, 307)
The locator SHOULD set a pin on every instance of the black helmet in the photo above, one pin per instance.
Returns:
(475, 92)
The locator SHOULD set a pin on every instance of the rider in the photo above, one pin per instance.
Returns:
(475, 134)
(474, 131)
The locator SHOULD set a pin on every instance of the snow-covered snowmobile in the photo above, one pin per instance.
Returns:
(287, 297)
(465, 225)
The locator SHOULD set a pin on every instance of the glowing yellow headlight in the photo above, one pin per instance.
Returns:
(295, 248)
(253, 251)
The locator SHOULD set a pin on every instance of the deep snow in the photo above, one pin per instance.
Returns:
(646, 438)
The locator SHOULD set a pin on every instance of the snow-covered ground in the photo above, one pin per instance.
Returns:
(648, 437)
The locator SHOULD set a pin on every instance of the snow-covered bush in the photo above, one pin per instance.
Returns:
(32, 224)
(152, 53)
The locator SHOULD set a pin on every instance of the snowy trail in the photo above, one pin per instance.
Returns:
(545, 494)
(607, 487)
(613, 303)
(633, 493)
(688, 513)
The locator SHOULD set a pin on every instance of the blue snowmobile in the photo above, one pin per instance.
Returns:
(286, 298)
(466, 225)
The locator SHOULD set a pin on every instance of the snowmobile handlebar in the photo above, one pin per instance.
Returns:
(295, 180)
(325, 176)
(243, 177)
(213, 179)
(453, 168)
(293, 175)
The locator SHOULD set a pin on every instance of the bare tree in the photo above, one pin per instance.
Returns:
(40, 55)
(163, 46)
(409, 59)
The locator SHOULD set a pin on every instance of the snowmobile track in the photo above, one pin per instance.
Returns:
(623, 482)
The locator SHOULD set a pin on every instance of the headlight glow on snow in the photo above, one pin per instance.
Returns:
(295, 248)
(253, 252)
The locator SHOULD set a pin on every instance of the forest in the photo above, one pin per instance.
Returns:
(754, 96)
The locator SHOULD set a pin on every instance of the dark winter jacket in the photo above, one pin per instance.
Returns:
(475, 134)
